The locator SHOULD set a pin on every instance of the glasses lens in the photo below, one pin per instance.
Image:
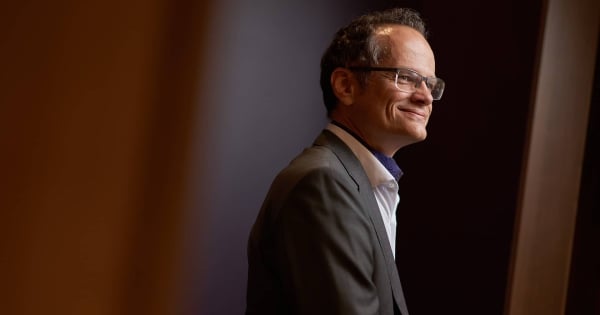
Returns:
(437, 88)
(407, 81)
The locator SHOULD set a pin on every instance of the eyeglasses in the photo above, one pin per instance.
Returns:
(408, 80)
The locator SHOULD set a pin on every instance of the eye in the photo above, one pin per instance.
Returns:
(431, 83)
(404, 78)
(407, 79)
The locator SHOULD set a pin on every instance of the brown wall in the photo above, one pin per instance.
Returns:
(550, 186)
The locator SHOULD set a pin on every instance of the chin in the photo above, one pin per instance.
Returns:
(412, 139)
(418, 137)
(410, 136)
(418, 134)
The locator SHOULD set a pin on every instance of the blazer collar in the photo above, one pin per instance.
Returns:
(358, 175)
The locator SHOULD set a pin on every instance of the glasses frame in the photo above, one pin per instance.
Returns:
(417, 84)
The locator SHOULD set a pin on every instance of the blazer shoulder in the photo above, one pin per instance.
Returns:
(328, 153)
(316, 159)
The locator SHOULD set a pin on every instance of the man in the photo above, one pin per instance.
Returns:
(324, 240)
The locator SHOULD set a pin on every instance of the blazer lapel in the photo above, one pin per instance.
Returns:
(358, 175)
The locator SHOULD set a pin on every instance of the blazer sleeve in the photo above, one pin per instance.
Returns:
(326, 243)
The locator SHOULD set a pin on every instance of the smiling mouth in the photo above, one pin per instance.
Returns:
(413, 113)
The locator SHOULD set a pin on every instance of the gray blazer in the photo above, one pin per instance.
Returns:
(319, 245)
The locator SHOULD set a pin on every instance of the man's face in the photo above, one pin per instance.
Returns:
(386, 117)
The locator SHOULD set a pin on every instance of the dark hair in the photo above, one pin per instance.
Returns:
(355, 45)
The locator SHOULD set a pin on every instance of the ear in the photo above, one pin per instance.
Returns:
(344, 85)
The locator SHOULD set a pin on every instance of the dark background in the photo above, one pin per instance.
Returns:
(460, 189)
(584, 281)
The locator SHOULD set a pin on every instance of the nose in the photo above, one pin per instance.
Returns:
(422, 94)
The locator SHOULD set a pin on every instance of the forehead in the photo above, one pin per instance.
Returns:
(407, 48)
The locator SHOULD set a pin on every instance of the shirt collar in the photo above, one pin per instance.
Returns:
(376, 171)
(388, 162)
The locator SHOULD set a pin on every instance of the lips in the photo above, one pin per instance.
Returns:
(416, 112)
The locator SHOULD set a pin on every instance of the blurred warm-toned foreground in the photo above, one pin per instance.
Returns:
(97, 99)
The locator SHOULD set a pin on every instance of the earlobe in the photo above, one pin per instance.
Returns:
(342, 83)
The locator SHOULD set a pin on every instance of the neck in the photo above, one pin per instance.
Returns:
(387, 161)
(364, 139)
